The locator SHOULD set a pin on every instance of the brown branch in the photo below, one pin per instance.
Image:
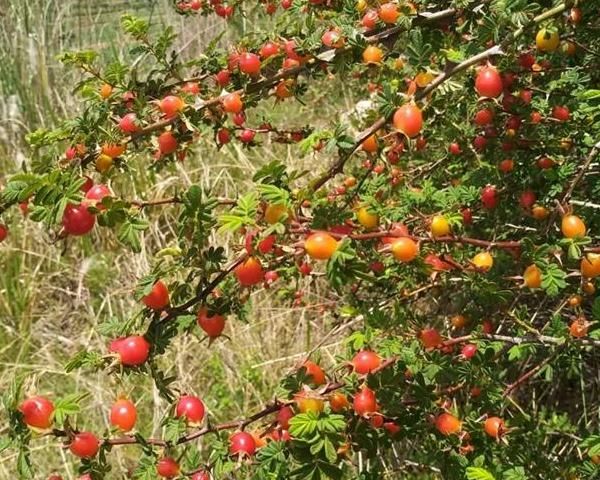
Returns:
(514, 244)
(205, 292)
(530, 373)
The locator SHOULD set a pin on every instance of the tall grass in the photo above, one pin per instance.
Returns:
(53, 296)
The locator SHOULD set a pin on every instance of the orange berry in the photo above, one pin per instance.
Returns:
(338, 402)
(372, 54)
(307, 402)
(370, 145)
(405, 249)
(320, 246)
(388, 12)
(459, 321)
(314, 372)
(439, 226)
(232, 103)
(106, 91)
(532, 277)
(274, 213)
(113, 150)
(366, 218)
(483, 260)
(494, 427)
(572, 226)
(408, 119)
(447, 424)
(539, 212)
(579, 328)
(590, 265)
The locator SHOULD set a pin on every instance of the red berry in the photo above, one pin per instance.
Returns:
(242, 443)
(232, 103)
(369, 19)
(271, 276)
(561, 114)
(239, 119)
(494, 427)
(489, 196)
(467, 216)
(167, 467)
(223, 78)
(84, 445)
(448, 424)
(87, 184)
(3, 232)
(526, 60)
(192, 88)
(223, 136)
(128, 123)
(526, 95)
(454, 149)
(123, 415)
(365, 402)
(469, 350)
(191, 408)
(77, 220)
(212, 325)
(249, 63)
(171, 106)
(305, 269)
(269, 49)
(132, 350)
(283, 417)
(247, 135)
(285, 4)
(513, 122)
(266, 245)
(391, 427)
(527, 199)
(250, 272)
(430, 338)
(507, 165)
(158, 298)
(487, 327)
(479, 143)
(71, 153)
(332, 39)
(37, 412)
(96, 194)
(488, 82)
(365, 362)
(484, 117)
(167, 143)
(545, 163)
(200, 476)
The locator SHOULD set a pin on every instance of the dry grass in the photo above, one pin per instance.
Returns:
(52, 298)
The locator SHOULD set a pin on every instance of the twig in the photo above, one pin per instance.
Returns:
(573, 183)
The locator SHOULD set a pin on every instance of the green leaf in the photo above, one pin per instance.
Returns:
(477, 473)
(66, 406)
(553, 279)
(130, 231)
